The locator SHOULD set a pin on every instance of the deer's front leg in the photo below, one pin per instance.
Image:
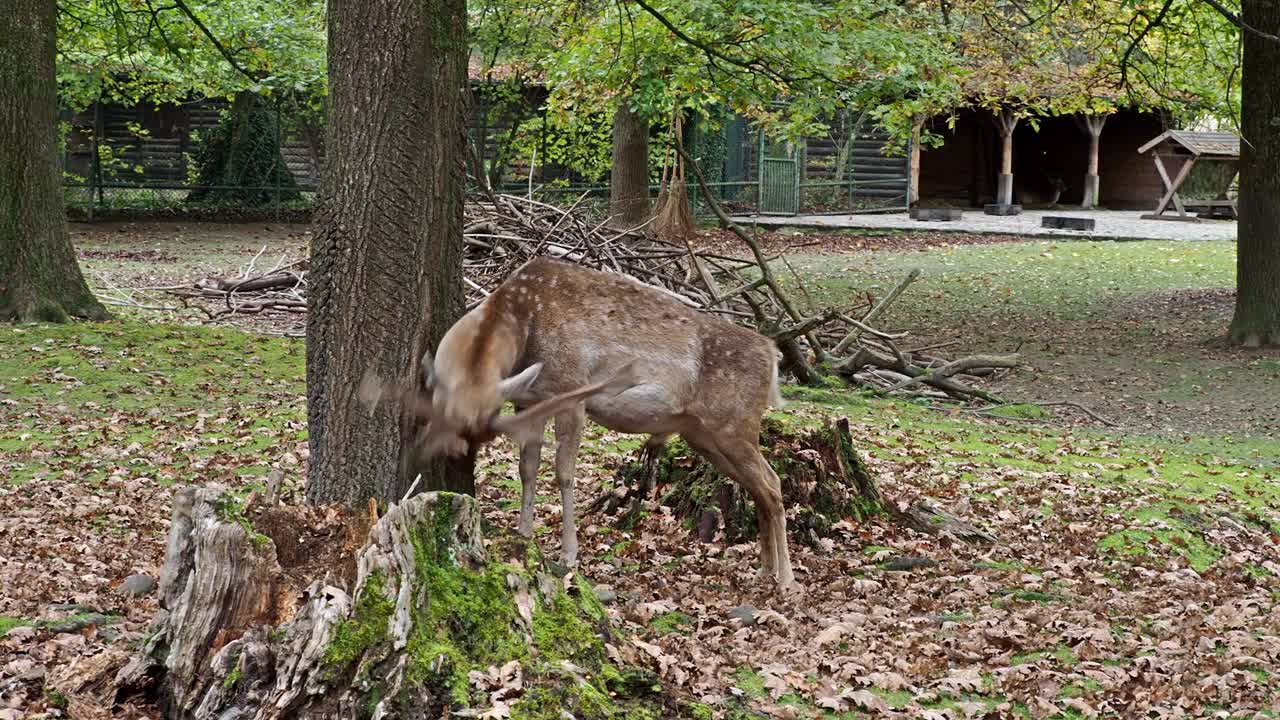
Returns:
(568, 437)
(530, 458)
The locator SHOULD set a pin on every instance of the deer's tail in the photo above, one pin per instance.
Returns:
(775, 397)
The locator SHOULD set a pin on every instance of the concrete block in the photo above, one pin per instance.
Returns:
(998, 209)
(936, 214)
(1067, 223)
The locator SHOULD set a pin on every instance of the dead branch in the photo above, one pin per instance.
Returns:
(876, 312)
(965, 364)
(898, 362)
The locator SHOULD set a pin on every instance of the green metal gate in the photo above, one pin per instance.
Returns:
(779, 186)
(779, 178)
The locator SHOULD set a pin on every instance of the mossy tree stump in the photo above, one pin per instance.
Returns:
(823, 482)
(437, 624)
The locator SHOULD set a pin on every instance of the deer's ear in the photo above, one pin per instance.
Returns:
(428, 370)
(519, 382)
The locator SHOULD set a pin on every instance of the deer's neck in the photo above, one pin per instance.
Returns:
(501, 334)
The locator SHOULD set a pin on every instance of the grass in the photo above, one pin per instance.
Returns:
(182, 401)
(1068, 280)
(8, 623)
(1192, 481)
(172, 402)
(183, 404)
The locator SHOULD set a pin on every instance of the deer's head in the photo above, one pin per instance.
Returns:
(467, 399)
(460, 415)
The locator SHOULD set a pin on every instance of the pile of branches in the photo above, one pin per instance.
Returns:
(281, 288)
(502, 232)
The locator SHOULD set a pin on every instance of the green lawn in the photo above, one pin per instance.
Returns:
(1059, 279)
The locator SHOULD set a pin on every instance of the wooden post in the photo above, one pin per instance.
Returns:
(1006, 122)
(917, 125)
(1092, 125)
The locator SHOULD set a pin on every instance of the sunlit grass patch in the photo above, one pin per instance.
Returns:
(1061, 278)
(86, 400)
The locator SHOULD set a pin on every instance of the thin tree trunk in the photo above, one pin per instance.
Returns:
(1007, 123)
(385, 281)
(629, 180)
(917, 125)
(1092, 125)
(39, 276)
(1257, 314)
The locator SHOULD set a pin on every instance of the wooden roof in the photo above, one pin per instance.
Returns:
(1200, 144)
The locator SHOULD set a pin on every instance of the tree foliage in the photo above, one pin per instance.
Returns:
(130, 50)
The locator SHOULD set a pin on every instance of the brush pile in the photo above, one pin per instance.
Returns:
(502, 232)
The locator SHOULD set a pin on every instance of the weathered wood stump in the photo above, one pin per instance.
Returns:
(823, 479)
(436, 625)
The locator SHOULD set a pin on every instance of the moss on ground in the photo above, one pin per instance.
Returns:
(670, 622)
(8, 623)
(466, 619)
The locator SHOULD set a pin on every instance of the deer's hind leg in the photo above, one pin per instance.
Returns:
(568, 438)
(735, 461)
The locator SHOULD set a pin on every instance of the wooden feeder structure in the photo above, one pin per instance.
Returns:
(1206, 163)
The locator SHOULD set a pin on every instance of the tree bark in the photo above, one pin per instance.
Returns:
(40, 279)
(1007, 122)
(1093, 125)
(629, 179)
(386, 263)
(1257, 314)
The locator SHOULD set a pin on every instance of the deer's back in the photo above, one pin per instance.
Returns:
(583, 321)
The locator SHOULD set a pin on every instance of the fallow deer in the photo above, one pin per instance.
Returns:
(552, 327)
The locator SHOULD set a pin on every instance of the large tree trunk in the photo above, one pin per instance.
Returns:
(39, 276)
(386, 263)
(629, 179)
(1257, 315)
(289, 612)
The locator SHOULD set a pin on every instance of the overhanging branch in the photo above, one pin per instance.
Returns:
(754, 65)
(222, 49)
(1239, 22)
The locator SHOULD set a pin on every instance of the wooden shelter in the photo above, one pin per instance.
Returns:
(1062, 160)
(1207, 164)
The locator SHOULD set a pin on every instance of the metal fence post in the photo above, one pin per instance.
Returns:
(94, 165)
(280, 153)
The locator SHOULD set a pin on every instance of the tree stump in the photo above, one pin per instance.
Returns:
(438, 625)
(823, 482)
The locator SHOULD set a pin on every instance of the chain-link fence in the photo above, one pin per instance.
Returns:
(145, 158)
